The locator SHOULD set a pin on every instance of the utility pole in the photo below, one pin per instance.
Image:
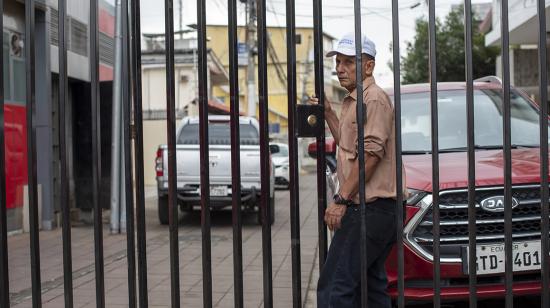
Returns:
(307, 67)
(181, 18)
(251, 43)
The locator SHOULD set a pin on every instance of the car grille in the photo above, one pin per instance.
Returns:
(526, 220)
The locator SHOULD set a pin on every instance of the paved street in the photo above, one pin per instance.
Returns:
(158, 259)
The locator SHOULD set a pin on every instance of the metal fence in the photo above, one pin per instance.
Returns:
(135, 199)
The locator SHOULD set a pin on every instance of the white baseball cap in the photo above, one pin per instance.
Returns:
(346, 46)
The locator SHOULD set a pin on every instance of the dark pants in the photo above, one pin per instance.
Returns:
(339, 284)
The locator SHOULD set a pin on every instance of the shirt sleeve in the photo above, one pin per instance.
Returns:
(378, 127)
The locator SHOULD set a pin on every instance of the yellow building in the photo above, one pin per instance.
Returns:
(276, 70)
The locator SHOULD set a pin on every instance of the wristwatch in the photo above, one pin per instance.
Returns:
(338, 199)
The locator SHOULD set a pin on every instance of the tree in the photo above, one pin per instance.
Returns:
(450, 51)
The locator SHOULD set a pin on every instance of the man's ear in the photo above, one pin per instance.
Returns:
(370, 67)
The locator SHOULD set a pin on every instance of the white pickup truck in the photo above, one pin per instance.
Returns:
(188, 167)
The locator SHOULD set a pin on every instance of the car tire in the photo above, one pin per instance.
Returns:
(163, 210)
(271, 208)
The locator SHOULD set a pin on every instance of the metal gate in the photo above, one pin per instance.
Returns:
(133, 130)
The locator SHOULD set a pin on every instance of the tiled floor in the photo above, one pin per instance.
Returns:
(158, 259)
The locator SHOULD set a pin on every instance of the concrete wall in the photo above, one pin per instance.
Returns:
(524, 70)
(154, 87)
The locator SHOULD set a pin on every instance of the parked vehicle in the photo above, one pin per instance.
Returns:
(279, 154)
(453, 174)
(188, 167)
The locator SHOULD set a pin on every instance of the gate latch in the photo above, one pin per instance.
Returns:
(310, 120)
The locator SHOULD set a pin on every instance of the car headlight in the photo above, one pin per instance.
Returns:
(415, 196)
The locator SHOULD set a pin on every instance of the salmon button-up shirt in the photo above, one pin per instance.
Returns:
(379, 141)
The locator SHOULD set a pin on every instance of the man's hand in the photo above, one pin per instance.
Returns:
(314, 101)
(333, 215)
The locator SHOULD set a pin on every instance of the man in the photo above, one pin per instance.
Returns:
(339, 283)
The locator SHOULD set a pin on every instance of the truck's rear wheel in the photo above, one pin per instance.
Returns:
(163, 210)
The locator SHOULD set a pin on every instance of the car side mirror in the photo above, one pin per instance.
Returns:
(273, 149)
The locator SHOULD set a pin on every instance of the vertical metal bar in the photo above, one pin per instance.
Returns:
(138, 150)
(204, 159)
(293, 154)
(505, 45)
(321, 155)
(63, 153)
(128, 182)
(171, 134)
(361, 112)
(265, 167)
(472, 268)
(235, 157)
(96, 153)
(4, 272)
(543, 88)
(31, 150)
(435, 152)
(398, 155)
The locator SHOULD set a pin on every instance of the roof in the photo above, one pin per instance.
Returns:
(218, 110)
(276, 27)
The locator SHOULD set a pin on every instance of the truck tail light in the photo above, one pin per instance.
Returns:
(158, 163)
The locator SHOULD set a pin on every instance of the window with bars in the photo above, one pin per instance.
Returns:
(106, 49)
(78, 37)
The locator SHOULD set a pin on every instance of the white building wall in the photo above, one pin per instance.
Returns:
(154, 87)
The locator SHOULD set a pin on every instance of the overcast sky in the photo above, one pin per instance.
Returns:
(337, 20)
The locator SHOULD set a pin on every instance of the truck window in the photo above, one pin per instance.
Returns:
(219, 134)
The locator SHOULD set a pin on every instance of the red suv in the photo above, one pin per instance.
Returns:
(418, 237)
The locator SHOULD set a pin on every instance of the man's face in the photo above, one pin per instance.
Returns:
(345, 69)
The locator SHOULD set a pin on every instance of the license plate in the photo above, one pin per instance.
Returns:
(218, 191)
(490, 258)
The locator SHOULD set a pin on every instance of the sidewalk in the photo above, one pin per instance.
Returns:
(158, 259)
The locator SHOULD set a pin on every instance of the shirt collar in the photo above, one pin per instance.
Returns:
(367, 82)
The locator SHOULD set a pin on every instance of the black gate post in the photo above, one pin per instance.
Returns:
(63, 154)
(4, 274)
(435, 153)
(543, 90)
(31, 150)
(318, 44)
(361, 114)
(235, 156)
(398, 154)
(96, 153)
(138, 149)
(264, 155)
(506, 118)
(293, 155)
(128, 178)
(171, 134)
(472, 258)
(204, 156)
